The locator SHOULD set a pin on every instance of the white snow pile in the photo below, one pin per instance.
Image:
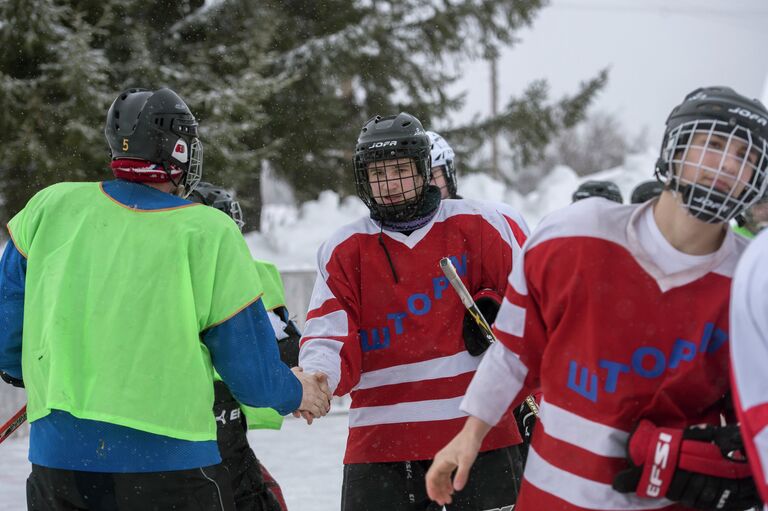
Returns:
(291, 236)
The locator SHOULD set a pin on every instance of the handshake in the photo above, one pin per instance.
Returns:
(315, 395)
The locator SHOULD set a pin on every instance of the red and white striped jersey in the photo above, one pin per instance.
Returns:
(614, 325)
(397, 347)
(749, 355)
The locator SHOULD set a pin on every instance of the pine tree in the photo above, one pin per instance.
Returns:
(284, 83)
(53, 98)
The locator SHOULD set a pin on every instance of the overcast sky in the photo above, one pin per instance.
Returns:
(657, 51)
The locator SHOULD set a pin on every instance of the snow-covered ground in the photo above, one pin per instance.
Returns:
(305, 460)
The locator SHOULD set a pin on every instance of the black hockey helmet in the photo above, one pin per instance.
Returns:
(715, 112)
(605, 189)
(157, 127)
(646, 191)
(219, 198)
(391, 138)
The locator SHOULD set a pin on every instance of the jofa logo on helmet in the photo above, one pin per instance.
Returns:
(749, 115)
(707, 203)
(388, 143)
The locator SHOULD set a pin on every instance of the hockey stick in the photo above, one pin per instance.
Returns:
(13, 424)
(450, 273)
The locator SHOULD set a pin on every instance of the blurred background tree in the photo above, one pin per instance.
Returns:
(282, 85)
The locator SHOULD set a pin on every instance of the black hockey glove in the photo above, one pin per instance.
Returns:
(488, 302)
(7, 378)
(289, 346)
(525, 420)
(702, 467)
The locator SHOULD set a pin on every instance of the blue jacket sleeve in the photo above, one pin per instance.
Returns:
(13, 271)
(245, 354)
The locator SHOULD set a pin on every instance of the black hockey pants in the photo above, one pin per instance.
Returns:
(493, 485)
(248, 485)
(199, 489)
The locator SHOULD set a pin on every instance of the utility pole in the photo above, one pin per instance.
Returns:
(493, 61)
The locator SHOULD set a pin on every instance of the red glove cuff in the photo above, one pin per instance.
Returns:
(657, 451)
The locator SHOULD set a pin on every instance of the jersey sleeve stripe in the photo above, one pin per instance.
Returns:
(498, 380)
(757, 416)
(511, 319)
(333, 324)
(327, 307)
(320, 294)
(322, 355)
(518, 233)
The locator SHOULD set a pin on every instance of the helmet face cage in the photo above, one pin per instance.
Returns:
(392, 183)
(392, 167)
(717, 168)
(194, 168)
(236, 212)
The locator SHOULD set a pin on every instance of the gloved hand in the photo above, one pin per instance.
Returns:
(702, 467)
(475, 340)
(525, 420)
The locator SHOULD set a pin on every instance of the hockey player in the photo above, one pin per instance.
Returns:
(117, 300)
(385, 325)
(253, 486)
(620, 315)
(749, 353)
(605, 189)
(443, 167)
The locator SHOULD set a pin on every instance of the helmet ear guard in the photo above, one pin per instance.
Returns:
(715, 121)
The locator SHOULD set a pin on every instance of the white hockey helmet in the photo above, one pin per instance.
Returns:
(443, 156)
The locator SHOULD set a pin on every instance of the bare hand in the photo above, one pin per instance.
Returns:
(315, 397)
(459, 455)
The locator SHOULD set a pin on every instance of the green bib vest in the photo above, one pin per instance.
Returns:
(115, 301)
(274, 292)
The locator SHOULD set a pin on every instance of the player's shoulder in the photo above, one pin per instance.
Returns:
(339, 237)
(474, 206)
(483, 208)
(59, 193)
(750, 253)
(65, 188)
(594, 217)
